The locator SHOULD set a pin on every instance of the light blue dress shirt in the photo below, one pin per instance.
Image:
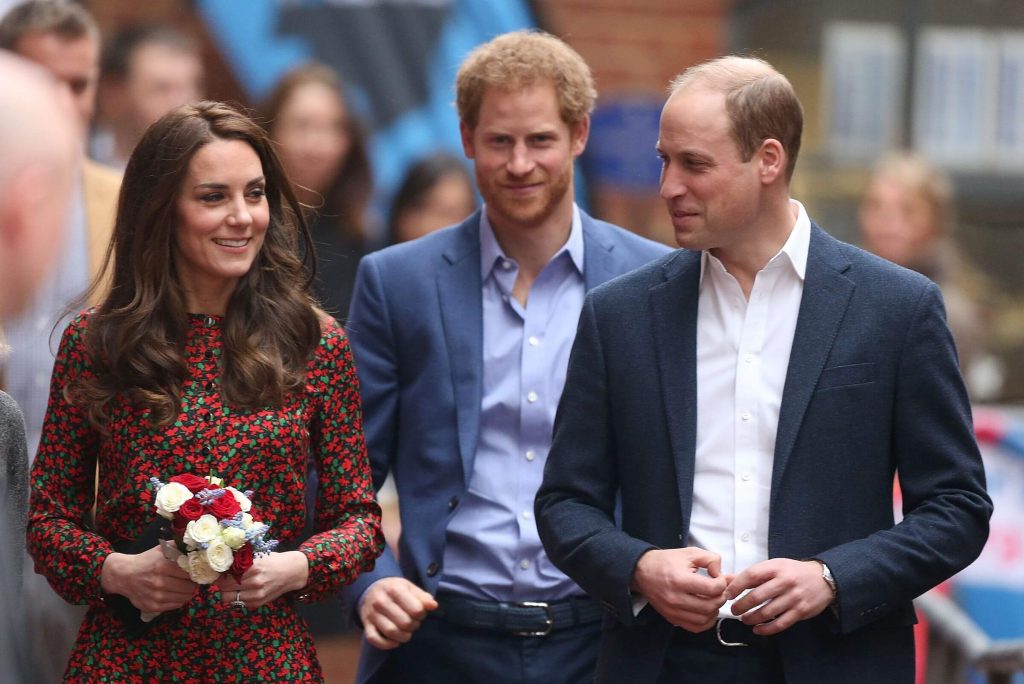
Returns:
(492, 548)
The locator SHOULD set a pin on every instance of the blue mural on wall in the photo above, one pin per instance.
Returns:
(398, 58)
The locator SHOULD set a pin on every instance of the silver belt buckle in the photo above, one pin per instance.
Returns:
(718, 633)
(549, 620)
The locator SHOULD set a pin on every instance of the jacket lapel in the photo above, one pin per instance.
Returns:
(459, 292)
(827, 293)
(598, 266)
(674, 303)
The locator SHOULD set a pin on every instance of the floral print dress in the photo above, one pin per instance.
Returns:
(263, 450)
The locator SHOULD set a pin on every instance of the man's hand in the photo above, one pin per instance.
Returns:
(670, 581)
(392, 609)
(790, 590)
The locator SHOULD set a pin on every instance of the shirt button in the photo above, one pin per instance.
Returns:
(506, 264)
(453, 503)
(432, 569)
(524, 564)
(531, 397)
(528, 515)
(504, 298)
(745, 415)
(530, 454)
(745, 536)
(745, 477)
(533, 341)
(748, 358)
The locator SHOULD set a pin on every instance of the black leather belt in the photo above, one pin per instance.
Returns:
(727, 633)
(517, 618)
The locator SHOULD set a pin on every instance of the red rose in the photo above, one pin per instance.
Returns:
(243, 561)
(194, 483)
(225, 507)
(190, 510)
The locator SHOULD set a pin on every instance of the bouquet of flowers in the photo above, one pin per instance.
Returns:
(212, 527)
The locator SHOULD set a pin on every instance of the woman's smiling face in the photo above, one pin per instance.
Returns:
(223, 216)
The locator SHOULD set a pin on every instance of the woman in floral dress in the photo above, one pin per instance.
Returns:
(207, 356)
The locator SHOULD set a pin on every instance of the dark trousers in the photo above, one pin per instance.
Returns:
(701, 659)
(442, 653)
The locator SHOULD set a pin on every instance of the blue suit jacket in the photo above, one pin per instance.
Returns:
(872, 388)
(416, 329)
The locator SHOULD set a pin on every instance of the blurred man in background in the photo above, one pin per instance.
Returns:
(63, 38)
(39, 150)
(146, 72)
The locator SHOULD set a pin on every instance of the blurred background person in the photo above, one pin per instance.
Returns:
(39, 146)
(435, 192)
(324, 152)
(907, 217)
(63, 38)
(146, 71)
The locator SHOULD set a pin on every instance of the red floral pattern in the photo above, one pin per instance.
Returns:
(264, 450)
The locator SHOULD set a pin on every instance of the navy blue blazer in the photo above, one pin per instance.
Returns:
(873, 387)
(416, 329)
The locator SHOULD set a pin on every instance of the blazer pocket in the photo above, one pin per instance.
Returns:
(846, 376)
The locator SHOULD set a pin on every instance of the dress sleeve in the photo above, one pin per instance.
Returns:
(349, 536)
(63, 482)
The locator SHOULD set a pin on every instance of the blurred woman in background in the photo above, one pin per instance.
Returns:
(324, 153)
(906, 216)
(437, 191)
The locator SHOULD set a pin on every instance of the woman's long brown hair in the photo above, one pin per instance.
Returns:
(136, 339)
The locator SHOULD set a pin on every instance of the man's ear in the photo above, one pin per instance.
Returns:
(580, 133)
(772, 160)
(467, 140)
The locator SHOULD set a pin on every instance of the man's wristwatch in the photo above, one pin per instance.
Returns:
(826, 575)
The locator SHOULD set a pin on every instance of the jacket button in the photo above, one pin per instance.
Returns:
(432, 569)
(452, 503)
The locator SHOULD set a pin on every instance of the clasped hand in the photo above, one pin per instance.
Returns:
(779, 592)
(154, 584)
(782, 592)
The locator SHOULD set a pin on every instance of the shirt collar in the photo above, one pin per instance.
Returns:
(795, 249)
(491, 252)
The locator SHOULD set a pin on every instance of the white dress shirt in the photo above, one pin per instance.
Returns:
(743, 351)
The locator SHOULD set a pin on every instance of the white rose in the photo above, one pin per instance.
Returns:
(233, 537)
(219, 555)
(170, 497)
(206, 529)
(247, 521)
(242, 499)
(183, 561)
(199, 570)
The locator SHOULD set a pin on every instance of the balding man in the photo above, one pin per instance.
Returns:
(38, 157)
(749, 399)
(63, 38)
